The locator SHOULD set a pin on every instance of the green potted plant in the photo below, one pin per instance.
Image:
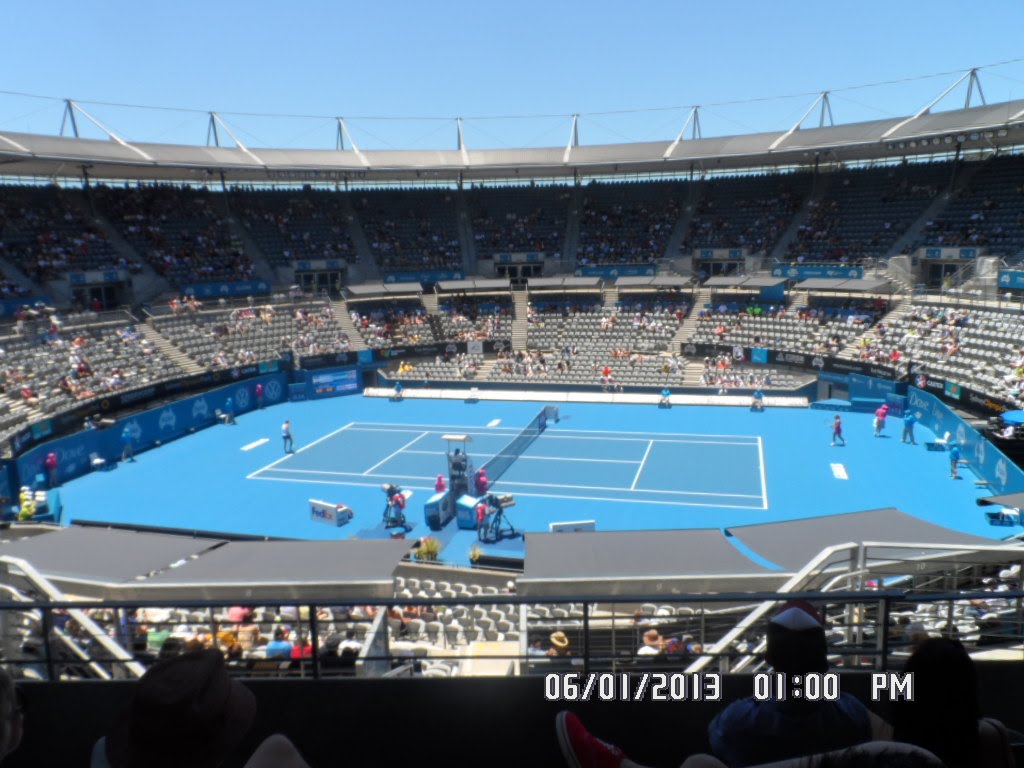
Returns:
(428, 550)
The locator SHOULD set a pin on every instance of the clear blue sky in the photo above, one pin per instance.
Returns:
(399, 59)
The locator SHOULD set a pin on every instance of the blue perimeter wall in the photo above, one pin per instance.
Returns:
(987, 461)
(158, 425)
(171, 421)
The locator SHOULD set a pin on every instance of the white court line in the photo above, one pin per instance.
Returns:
(390, 456)
(650, 444)
(549, 436)
(531, 495)
(251, 476)
(764, 482)
(529, 485)
(493, 423)
(470, 428)
(520, 457)
(256, 443)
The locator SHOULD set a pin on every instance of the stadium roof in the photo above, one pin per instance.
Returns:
(115, 564)
(629, 563)
(925, 133)
(790, 544)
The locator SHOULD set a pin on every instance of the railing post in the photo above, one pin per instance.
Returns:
(314, 639)
(882, 631)
(47, 651)
(586, 638)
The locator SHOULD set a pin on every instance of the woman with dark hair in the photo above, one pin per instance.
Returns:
(943, 717)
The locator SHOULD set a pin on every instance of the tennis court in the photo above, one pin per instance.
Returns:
(673, 469)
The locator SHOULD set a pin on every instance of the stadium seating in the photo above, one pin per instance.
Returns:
(44, 233)
(516, 219)
(411, 230)
(293, 225)
(628, 224)
(470, 318)
(385, 324)
(746, 211)
(182, 232)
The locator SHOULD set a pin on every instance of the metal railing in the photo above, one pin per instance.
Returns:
(866, 629)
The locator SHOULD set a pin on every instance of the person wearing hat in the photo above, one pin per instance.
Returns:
(748, 732)
(559, 644)
(187, 711)
(880, 415)
(653, 644)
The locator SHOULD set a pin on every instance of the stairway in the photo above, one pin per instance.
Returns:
(520, 323)
(572, 229)
(682, 227)
(483, 373)
(169, 349)
(913, 233)
(429, 301)
(692, 373)
(822, 181)
(466, 240)
(343, 315)
(367, 264)
(610, 296)
(852, 350)
(689, 325)
(798, 299)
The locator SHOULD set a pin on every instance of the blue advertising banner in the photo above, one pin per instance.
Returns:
(149, 428)
(1011, 278)
(805, 272)
(9, 307)
(623, 270)
(987, 461)
(216, 290)
(333, 382)
(423, 277)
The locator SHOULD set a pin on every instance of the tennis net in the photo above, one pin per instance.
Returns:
(500, 462)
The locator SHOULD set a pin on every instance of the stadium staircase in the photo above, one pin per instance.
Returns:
(343, 315)
(798, 299)
(851, 350)
(963, 176)
(520, 324)
(466, 240)
(367, 264)
(15, 275)
(429, 301)
(244, 241)
(146, 284)
(610, 296)
(675, 240)
(168, 348)
(687, 328)
(822, 181)
(572, 230)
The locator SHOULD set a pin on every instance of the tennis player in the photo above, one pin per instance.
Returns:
(837, 431)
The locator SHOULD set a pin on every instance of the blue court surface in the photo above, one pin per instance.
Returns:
(626, 467)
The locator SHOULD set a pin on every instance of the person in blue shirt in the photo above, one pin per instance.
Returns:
(398, 390)
(279, 647)
(229, 411)
(666, 398)
(758, 403)
(909, 420)
(954, 460)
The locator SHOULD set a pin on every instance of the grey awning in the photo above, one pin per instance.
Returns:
(632, 563)
(343, 570)
(763, 282)
(474, 285)
(867, 286)
(376, 290)
(622, 282)
(725, 281)
(671, 281)
(563, 282)
(821, 284)
(74, 557)
(793, 543)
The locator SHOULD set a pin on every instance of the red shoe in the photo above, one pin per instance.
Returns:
(580, 748)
